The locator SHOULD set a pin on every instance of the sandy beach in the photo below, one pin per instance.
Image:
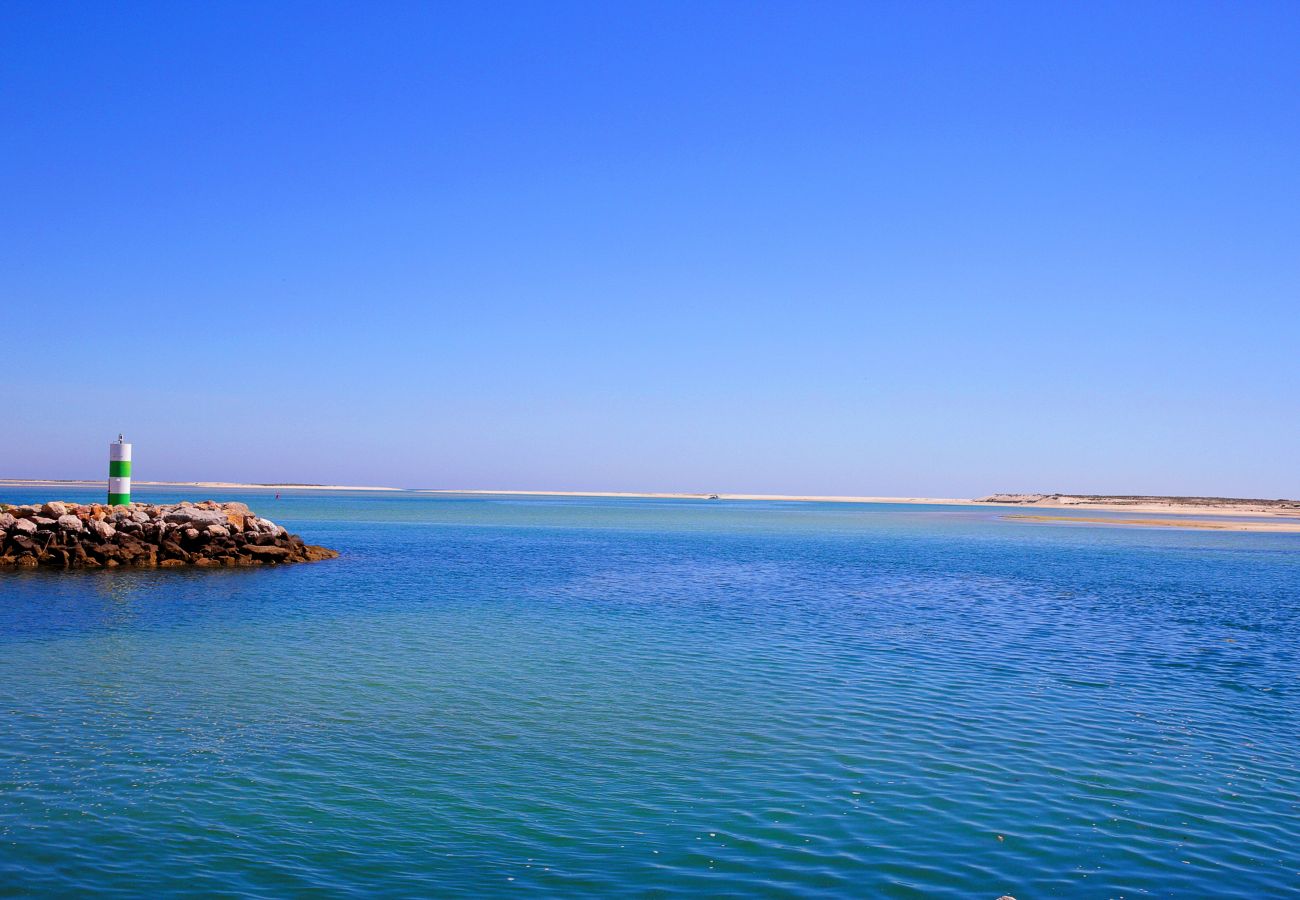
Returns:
(1261, 524)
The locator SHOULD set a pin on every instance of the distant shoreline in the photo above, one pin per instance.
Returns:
(1172, 506)
(238, 485)
(1165, 506)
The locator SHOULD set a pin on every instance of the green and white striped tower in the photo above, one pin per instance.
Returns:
(119, 473)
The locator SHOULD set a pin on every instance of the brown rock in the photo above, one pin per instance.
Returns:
(272, 553)
(23, 542)
(54, 556)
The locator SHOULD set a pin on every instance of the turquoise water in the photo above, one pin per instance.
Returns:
(576, 697)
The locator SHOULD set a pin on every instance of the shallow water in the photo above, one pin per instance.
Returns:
(622, 697)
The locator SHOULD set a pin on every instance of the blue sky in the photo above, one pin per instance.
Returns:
(869, 248)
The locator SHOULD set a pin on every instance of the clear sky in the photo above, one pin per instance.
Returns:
(870, 248)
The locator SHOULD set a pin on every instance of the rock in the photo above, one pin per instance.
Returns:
(172, 550)
(23, 543)
(54, 556)
(91, 536)
(195, 516)
(270, 553)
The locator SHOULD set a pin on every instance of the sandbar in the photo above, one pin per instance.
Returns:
(1217, 525)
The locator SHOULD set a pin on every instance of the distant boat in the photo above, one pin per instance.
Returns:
(714, 497)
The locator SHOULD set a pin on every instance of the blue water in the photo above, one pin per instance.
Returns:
(486, 696)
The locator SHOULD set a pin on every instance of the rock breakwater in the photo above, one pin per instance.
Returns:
(91, 536)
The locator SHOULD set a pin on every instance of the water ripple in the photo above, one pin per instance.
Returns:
(589, 698)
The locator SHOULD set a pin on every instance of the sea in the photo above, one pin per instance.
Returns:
(495, 696)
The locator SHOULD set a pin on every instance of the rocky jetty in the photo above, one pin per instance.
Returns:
(92, 536)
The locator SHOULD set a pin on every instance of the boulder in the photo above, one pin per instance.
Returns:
(69, 522)
(271, 552)
(23, 543)
(54, 556)
(196, 517)
(24, 526)
(54, 509)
